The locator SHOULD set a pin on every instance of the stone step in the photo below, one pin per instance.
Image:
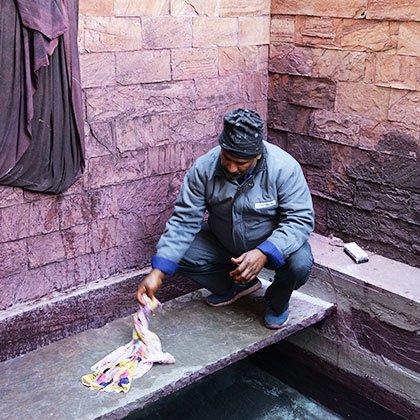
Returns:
(46, 383)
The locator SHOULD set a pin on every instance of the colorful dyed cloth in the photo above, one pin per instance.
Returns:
(115, 372)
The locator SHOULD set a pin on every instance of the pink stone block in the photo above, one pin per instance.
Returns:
(10, 196)
(210, 32)
(76, 241)
(282, 29)
(142, 132)
(141, 7)
(234, 60)
(103, 34)
(104, 234)
(289, 59)
(14, 222)
(244, 7)
(409, 39)
(14, 258)
(96, 7)
(103, 203)
(97, 69)
(99, 139)
(254, 86)
(167, 32)
(143, 66)
(404, 107)
(254, 30)
(218, 91)
(75, 210)
(362, 99)
(45, 249)
(194, 63)
(194, 8)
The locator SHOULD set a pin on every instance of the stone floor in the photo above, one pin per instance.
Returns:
(46, 383)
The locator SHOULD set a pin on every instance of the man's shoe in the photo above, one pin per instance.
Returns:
(237, 291)
(273, 319)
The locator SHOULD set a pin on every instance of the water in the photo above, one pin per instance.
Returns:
(241, 391)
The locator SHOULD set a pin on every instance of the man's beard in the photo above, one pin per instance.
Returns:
(231, 177)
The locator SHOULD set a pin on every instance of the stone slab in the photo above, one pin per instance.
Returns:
(46, 383)
(380, 272)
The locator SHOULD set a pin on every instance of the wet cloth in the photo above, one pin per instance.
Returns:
(115, 372)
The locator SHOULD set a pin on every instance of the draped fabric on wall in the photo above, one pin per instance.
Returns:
(41, 117)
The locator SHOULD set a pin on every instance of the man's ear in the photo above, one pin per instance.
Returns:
(259, 156)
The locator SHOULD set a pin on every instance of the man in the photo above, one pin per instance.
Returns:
(259, 214)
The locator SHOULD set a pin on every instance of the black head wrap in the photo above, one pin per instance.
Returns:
(242, 133)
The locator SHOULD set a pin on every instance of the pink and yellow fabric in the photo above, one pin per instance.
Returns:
(115, 372)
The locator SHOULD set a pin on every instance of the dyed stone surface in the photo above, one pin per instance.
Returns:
(202, 339)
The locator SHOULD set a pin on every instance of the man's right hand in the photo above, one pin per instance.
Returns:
(149, 285)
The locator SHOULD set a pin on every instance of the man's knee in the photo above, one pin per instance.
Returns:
(300, 264)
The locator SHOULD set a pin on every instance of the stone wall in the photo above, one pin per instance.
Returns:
(157, 76)
(344, 99)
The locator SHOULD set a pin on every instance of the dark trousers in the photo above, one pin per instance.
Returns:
(207, 263)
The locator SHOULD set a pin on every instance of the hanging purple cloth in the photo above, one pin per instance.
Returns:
(41, 117)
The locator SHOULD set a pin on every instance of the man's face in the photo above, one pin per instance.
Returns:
(235, 167)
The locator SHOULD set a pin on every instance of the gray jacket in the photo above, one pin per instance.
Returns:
(272, 210)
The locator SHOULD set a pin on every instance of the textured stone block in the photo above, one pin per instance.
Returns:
(345, 66)
(167, 32)
(10, 196)
(383, 200)
(335, 127)
(409, 39)
(331, 184)
(244, 7)
(194, 8)
(366, 35)
(282, 29)
(14, 222)
(143, 66)
(208, 32)
(99, 139)
(192, 126)
(339, 8)
(14, 258)
(194, 63)
(363, 99)
(217, 91)
(404, 107)
(289, 59)
(315, 31)
(234, 60)
(396, 71)
(310, 151)
(253, 86)
(45, 249)
(76, 241)
(312, 93)
(395, 141)
(254, 30)
(136, 101)
(96, 7)
(288, 117)
(142, 132)
(97, 69)
(398, 10)
(278, 87)
(102, 171)
(103, 203)
(104, 234)
(141, 7)
(112, 34)
(74, 210)
(263, 59)
(168, 159)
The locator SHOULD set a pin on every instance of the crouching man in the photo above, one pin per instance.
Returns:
(260, 214)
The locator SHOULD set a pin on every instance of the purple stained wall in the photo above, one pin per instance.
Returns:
(344, 92)
(157, 77)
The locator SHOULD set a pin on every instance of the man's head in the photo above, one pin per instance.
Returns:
(241, 142)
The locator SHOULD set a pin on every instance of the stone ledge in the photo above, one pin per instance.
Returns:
(46, 382)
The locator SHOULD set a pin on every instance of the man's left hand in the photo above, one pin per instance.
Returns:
(249, 265)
